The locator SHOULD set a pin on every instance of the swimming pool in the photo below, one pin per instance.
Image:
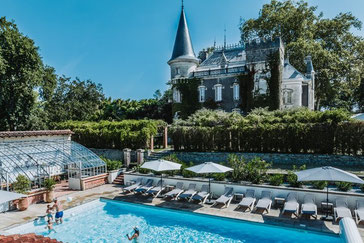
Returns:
(109, 221)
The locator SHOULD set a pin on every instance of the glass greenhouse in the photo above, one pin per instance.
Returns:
(39, 159)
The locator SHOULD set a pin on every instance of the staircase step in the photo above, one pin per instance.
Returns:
(119, 179)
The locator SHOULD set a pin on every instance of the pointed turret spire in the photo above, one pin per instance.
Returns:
(183, 45)
(224, 37)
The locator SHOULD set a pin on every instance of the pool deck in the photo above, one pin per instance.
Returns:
(111, 191)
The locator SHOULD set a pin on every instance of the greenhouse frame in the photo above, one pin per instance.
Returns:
(40, 159)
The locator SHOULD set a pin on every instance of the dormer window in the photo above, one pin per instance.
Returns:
(201, 91)
(178, 71)
(218, 92)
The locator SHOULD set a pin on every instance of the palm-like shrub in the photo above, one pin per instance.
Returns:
(22, 184)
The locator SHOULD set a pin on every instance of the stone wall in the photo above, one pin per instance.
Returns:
(276, 158)
(113, 154)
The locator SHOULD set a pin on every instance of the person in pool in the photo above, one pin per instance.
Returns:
(59, 211)
(50, 226)
(135, 235)
(49, 212)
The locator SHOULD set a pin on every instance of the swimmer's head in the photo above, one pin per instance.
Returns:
(136, 229)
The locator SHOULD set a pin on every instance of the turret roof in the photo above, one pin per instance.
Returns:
(183, 45)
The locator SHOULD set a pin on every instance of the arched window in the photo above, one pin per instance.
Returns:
(218, 92)
(201, 91)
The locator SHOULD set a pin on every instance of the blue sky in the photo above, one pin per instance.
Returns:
(125, 44)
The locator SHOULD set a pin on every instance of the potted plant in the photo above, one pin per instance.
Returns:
(22, 185)
(49, 184)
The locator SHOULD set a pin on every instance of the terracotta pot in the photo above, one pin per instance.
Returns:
(23, 204)
(49, 196)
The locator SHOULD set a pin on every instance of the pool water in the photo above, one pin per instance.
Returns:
(110, 221)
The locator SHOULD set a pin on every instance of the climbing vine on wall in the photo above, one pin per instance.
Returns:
(189, 93)
(274, 82)
(246, 83)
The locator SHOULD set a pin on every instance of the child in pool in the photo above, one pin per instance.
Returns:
(49, 212)
(50, 226)
(135, 235)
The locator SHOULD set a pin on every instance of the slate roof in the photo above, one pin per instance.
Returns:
(183, 45)
(291, 73)
(234, 57)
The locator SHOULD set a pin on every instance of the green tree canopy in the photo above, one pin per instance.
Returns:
(337, 54)
(158, 108)
(21, 73)
(74, 100)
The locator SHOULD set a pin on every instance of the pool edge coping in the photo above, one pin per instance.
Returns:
(285, 225)
(289, 226)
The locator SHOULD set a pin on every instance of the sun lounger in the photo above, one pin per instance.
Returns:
(226, 197)
(176, 191)
(309, 206)
(155, 191)
(359, 211)
(202, 195)
(291, 205)
(189, 193)
(341, 210)
(265, 202)
(131, 188)
(248, 201)
(148, 185)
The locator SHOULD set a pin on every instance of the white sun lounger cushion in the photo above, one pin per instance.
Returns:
(342, 212)
(290, 206)
(247, 201)
(173, 193)
(263, 203)
(202, 194)
(309, 208)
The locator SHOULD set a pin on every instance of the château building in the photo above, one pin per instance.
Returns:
(218, 70)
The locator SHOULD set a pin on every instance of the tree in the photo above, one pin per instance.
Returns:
(21, 73)
(337, 54)
(74, 100)
(158, 108)
(360, 95)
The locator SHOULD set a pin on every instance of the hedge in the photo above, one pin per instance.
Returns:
(131, 134)
(332, 135)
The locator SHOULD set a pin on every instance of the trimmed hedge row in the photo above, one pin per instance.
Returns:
(322, 138)
(131, 134)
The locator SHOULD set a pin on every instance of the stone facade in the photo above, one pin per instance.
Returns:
(220, 67)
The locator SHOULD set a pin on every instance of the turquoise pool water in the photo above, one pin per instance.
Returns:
(109, 221)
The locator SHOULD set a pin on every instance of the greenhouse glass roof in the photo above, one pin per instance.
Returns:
(35, 158)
